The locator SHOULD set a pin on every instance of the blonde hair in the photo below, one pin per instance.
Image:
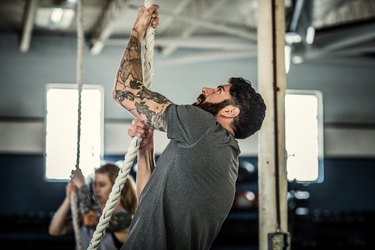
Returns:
(129, 200)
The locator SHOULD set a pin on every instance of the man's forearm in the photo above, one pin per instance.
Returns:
(146, 165)
(129, 76)
(130, 92)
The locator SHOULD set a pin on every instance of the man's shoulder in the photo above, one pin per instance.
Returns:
(188, 109)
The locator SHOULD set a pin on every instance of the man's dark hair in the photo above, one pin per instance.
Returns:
(251, 105)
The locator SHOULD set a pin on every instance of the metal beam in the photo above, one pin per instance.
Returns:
(335, 12)
(198, 42)
(209, 57)
(194, 25)
(349, 37)
(176, 12)
(105, 25)
(272, 180)
(362, 49)
(32, 8)
(338, 39)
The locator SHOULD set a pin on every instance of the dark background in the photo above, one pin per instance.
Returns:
(341, 209)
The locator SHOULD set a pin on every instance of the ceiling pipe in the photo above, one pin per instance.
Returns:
(32, 8)
(105, 25)
(237, 32)
(208, 57)
(339, 39)
(197, 42)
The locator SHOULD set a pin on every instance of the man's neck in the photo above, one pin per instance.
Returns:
(226, 123)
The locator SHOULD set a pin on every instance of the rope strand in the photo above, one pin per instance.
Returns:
(148, 70)
(115, 194)
(79, 79)
(75, 217)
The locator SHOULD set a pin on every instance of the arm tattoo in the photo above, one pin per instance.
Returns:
(150, 104)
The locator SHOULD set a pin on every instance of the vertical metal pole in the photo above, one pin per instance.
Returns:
(272, 85)
(32, 8)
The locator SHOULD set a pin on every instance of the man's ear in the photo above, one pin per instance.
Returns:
(230, 111)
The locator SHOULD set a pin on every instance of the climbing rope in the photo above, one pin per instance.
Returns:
(75, 217)
(133, 147)
(79, 79)
(148, 71)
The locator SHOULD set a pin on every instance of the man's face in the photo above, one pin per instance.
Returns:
(213, 100)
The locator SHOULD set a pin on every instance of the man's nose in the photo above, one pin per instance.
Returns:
(206, 91)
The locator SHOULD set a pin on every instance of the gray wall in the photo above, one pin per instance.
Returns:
(346, 83)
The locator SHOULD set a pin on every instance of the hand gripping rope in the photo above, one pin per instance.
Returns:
(133, 148)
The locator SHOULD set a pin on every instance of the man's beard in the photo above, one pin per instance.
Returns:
(212, 108)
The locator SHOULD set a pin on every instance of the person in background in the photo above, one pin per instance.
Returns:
(90, 210)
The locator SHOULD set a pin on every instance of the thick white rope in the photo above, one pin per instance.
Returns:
(73, 199)
(148, 70)
(132, 150)
(115, 194)
(75, 217)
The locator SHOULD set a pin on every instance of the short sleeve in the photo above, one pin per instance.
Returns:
(187, 124)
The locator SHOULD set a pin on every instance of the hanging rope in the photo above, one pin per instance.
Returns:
(133, 147)
(148, 71)
(75, 217)
(79, 79)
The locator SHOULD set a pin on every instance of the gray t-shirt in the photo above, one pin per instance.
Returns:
(192, 188)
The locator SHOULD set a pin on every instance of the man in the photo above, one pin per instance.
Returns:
(186, 197)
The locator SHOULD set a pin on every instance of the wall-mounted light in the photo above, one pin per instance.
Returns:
(292, 37)
(287, 55)
(310, 35)
(56, 15)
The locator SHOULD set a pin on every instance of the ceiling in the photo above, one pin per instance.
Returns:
(209, 29)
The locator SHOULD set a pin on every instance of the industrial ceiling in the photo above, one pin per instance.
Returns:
(210, 29)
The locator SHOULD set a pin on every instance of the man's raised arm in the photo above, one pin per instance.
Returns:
(129, 90)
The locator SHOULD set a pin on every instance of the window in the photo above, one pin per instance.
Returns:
(304, 136)
(61, 123)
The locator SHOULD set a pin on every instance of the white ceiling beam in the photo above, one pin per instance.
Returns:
(105, 25)
(197, 42)
(357, 50)
(176, 12)
(194, 25)
(250, 35)
(32, 8)
(349, 36)
(208, 57)
(332, 12)
(342, 38)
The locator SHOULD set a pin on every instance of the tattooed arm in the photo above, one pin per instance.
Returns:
(129, 90)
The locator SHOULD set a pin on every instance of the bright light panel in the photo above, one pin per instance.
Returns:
(61, 130)
(303, 136)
